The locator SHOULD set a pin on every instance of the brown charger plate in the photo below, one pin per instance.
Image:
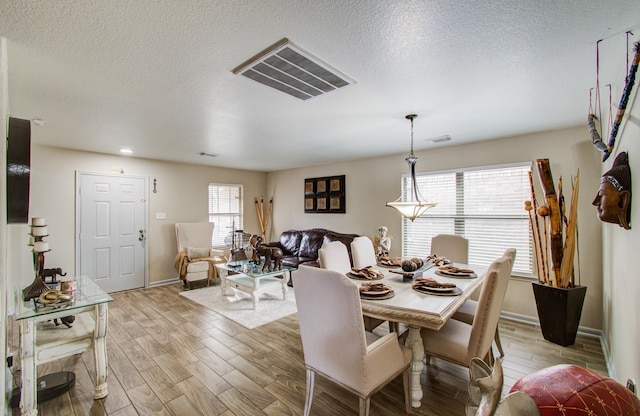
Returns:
(383, 295)
(361, 277)
(456, 275)
(455, 292)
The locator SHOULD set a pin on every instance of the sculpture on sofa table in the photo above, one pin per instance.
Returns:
(268, 252)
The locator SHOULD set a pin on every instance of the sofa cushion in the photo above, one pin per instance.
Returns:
(290, 242)
(311, 242)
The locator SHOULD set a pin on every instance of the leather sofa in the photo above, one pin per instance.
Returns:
(301, 246)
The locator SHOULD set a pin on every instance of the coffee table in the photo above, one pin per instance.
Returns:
(249, 278)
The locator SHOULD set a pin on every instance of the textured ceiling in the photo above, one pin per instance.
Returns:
(156, 76)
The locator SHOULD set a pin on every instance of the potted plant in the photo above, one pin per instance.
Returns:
(558, 299)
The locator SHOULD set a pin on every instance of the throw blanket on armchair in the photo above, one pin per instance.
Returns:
(182, 261)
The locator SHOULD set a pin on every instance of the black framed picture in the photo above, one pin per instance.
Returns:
(325, 195)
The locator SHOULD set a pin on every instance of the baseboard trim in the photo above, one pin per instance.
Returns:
(164, 282)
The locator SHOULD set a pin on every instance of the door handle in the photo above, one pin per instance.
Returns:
(141, 237)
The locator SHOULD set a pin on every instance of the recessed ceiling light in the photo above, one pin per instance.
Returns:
(126, 151)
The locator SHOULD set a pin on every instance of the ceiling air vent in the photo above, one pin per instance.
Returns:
(441, 139)
(289, 69)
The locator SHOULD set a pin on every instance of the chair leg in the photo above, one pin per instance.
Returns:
(498, 343)
(406, 382)
(364, 406)
(394, 327)
(311, 379)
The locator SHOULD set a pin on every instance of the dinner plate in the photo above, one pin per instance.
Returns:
(368, 296)
(361, 277)
(376, 292)
(450, 274)
(455, 292)
(437, 289)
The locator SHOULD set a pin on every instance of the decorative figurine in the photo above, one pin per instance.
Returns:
(613, 200)
(382, 242)
(269, 253)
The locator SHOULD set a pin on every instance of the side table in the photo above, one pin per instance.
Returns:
(37, 346)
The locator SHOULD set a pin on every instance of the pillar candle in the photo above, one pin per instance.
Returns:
(40, 246)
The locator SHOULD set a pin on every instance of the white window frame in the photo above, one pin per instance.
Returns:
(225, 210)
(509, 228)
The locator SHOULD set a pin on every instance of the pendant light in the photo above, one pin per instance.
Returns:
(414, 206)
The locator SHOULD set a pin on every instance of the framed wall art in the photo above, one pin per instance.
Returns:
(325, 195)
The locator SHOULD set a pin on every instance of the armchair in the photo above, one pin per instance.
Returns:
(195, 260)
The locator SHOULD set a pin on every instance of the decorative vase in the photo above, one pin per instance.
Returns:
(559, 311)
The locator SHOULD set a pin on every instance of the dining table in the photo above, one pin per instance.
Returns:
(420, 310)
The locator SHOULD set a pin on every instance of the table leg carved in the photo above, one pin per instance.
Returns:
(414, 342)
(100, 351)
(29, 390)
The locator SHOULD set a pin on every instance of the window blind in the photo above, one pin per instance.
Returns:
(225, 211)
(484, 205)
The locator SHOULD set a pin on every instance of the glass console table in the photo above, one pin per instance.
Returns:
(42, 341)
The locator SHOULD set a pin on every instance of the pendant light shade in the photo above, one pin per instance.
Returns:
(414, 206)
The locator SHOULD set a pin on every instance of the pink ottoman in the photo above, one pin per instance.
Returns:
(570, 390)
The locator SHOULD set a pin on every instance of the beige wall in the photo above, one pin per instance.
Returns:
(621, 293)
(182, 195)
(372, 182)
(5, 383)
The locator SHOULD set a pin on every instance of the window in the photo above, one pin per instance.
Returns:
(484, 205)
(225, 210)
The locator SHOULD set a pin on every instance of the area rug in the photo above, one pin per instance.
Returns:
(239, 307)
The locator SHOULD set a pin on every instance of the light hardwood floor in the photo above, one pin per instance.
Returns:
(171, 356)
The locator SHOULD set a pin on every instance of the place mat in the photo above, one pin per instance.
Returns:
(444, 273)
(421, 289)
(362, 277)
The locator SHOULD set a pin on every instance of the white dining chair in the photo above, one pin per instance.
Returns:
(452, 247)
(459, 342)
(363, 252)
(344, 352)
(334, 256)
(467, 311)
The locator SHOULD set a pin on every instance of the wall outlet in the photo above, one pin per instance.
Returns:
(631, 385)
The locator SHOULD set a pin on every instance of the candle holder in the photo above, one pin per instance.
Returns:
(38, 233)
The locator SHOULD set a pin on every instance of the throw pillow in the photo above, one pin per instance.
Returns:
(198, 252)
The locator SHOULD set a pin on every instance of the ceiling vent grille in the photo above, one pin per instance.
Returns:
(441, 139)
(289, 69)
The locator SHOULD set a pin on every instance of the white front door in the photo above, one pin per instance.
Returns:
(111, 225)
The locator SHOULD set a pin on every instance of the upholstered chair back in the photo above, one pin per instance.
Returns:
(489, 306)
(453, 247)
(334, 256)
(330, 314)
(333, 337)
(194, 234)
(363, 252)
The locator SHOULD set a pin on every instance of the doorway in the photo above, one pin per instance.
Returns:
(111, 224)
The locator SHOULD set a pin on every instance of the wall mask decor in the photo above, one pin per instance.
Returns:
(613, 200)
(325, 195)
